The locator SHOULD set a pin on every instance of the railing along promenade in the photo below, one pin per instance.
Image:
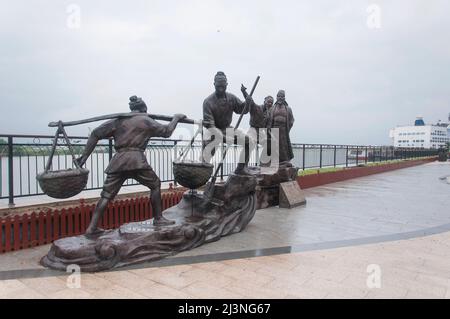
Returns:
(22, 157)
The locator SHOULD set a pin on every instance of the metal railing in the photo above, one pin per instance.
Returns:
(22, 157)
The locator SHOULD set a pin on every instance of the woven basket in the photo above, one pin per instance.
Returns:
(192, 174)
(63, 183)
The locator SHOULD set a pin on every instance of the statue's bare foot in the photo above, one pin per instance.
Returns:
(161, 221)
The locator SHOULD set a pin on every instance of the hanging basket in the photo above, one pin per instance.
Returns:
(192, 174)
(63, 183)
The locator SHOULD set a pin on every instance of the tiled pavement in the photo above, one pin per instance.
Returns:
(376, 211)
(413, 268)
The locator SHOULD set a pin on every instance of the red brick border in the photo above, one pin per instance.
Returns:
(313, 180)
(40, 228)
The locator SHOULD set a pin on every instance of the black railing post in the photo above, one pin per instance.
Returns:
(10, 172)
(110, 149)
(346, 156)
(175, 151)
(257, 154)
(303, 156)
(334, 159)
(221, 167)
(320, 158)
(366, 155)
(357, 155)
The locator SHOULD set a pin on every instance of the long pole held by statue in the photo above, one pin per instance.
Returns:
(213, 180)
(121, 115)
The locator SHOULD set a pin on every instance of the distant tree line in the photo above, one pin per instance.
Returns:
(41, 150)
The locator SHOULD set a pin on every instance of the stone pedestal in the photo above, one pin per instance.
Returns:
(268, 184)
(291, 195)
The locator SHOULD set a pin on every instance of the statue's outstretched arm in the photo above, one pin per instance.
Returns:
(158, 130)
(173, 124)
(103, 131)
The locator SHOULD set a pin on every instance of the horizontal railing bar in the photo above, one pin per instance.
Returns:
(73, 137)
(187, 140)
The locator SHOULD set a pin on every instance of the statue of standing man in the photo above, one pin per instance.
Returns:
(131, 136)
(280, 117)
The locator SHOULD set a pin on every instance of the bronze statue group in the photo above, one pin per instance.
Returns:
(270, 122)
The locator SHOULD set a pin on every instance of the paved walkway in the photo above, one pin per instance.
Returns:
(414, 268)
(321, 250)
(399, 204)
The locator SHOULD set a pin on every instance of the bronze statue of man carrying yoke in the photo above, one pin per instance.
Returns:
(131, 136)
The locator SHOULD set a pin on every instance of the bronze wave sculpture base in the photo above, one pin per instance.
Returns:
(200, 219)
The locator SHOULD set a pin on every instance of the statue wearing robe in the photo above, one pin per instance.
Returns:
(280, 117)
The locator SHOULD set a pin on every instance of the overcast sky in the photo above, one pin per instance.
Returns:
(346, 80)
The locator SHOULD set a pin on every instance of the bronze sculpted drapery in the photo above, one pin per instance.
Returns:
(280, 116)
